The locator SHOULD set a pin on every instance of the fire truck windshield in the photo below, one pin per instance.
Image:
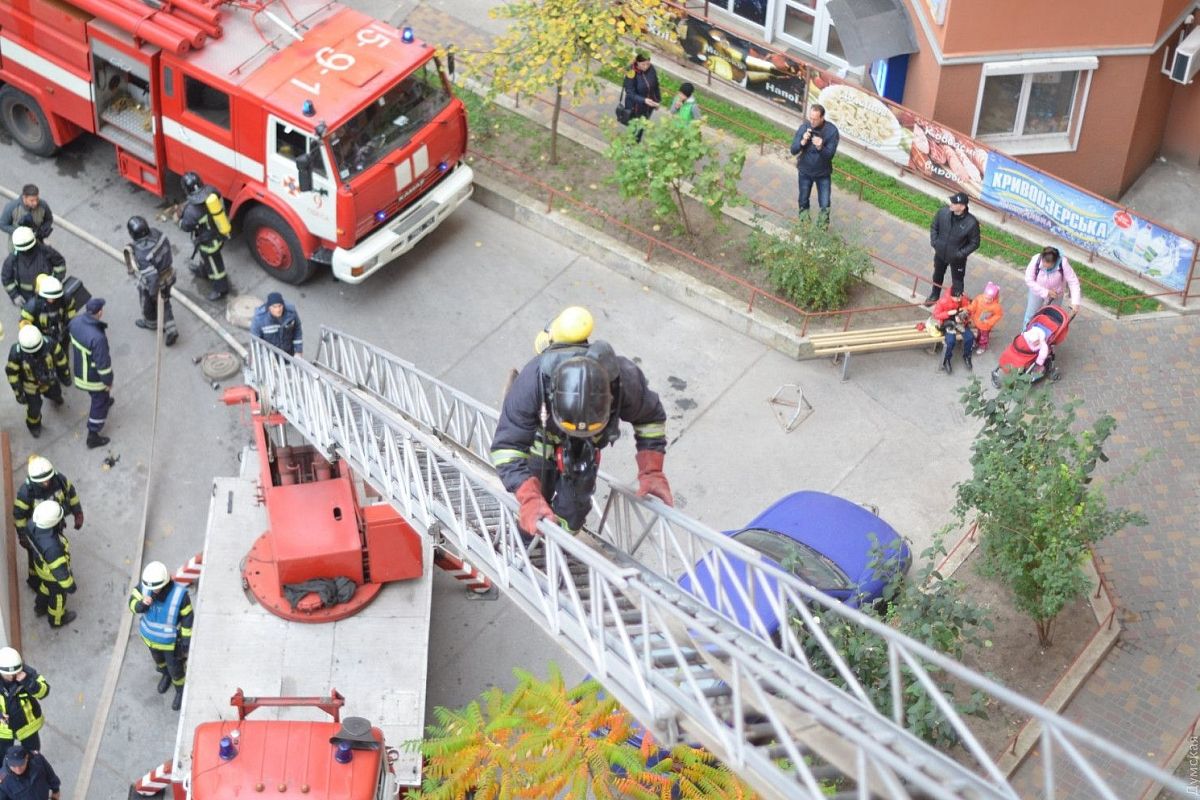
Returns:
(389, 122)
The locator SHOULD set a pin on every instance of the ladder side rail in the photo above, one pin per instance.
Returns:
(693, 534)
(355, 416)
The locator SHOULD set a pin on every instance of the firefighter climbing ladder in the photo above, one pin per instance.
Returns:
(680, 663)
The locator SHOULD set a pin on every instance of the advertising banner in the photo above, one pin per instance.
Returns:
(863, 117)
(774, 76)
(1088, 221)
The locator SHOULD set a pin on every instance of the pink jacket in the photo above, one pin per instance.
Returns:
(1042, 282)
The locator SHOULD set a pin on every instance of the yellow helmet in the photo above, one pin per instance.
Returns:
(572, 326)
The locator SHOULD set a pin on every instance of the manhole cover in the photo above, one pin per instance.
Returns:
(219, 366)
(240, 310)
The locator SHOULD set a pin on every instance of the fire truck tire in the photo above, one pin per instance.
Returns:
(23, 118)
(276, 247)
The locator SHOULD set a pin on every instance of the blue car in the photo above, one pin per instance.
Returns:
(824, 540)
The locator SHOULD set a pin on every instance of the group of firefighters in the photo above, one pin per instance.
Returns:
(561, 410)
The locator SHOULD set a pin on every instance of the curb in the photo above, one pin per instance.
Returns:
(497, 196)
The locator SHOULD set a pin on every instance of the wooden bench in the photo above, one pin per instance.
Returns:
(843, 344)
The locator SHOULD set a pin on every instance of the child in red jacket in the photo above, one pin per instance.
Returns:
(952, 316)
(986, 312)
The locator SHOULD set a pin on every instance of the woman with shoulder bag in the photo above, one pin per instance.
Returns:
(640, 91)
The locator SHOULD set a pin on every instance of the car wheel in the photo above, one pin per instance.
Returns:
(23, 118)
(276, 247)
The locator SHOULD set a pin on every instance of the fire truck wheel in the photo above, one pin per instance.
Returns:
(23, 118)
(275, 246)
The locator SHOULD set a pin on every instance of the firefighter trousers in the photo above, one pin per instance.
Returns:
(98, 410)
(214, 267)
(33, 404)
(150, 310)
(53, 599)
(170, 662)
(569, 498)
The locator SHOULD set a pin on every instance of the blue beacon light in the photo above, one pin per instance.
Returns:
(406, 35)
(308, 109)
(342, 754)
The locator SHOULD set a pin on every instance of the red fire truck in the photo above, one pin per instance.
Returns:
(334, 137)
(268, 655)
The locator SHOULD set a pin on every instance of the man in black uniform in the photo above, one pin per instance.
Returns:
(208, 241)
(29, 259)
(43, 482)
(27, 775)
(563, 408)
(36, 367)
(148, 258)
(91, 365)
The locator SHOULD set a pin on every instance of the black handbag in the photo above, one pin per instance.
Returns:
(624, 113)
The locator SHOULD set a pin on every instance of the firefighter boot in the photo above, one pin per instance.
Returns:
(35, 429)
(164, 683)
(96, 440)
(145, 324)
(177, 703)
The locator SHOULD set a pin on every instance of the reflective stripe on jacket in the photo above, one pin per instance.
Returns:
(165, 620)
(90, 362)
(26, 713)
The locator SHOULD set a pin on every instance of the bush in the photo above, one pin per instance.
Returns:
(811, 266)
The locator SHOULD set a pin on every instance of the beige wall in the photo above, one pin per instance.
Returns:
(984, 26)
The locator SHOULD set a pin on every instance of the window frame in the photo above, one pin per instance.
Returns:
(1018, 142)
(198, 113)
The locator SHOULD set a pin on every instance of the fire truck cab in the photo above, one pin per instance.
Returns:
(334, 137)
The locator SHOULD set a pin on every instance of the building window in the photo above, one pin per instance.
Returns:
(1033, 106)
(806, 26)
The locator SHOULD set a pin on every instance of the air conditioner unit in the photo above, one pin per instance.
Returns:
(1185, 63)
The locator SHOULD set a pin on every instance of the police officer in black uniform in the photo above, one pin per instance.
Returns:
(148, 257)
(208, 241)
(562, 409)
(27, 775)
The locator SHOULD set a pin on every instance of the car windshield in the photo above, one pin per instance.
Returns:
(389, 122)
(801, 560)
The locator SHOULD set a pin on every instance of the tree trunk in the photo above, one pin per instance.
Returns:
(1045, 631)
(679, 200)
(558, 95)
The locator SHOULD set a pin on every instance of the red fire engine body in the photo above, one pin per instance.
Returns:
(334, 137)
(292, 517)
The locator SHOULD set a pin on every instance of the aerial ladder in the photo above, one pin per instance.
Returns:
(681, 663)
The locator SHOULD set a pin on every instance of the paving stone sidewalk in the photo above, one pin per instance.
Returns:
(1146, 372)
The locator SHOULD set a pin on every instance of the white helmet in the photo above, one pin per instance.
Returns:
(155, 576)
(49, 287)
(47, 514)
(39, 469)
(10, 661)
(23, 238)
(30, 338)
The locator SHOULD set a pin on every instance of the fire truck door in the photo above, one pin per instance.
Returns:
(316, 208)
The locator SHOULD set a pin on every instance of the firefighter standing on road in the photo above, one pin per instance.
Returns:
(21, 687)
(52, 562)
(166, 625)
(30, 211)
(148, 258)
(563, 408)
(36, 366)
(43, 482)
(47, 309)
(91, 366)
(204, 218)
(278, 324)
(29, 259)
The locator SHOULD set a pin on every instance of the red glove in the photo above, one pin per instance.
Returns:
(650, 476)
(533, 506)
(78, 520)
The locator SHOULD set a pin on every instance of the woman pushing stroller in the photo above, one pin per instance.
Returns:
(1049, 276)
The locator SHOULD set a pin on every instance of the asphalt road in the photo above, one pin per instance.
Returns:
(465, 307)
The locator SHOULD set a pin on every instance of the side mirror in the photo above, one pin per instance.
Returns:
(304, 172)
(450, 63)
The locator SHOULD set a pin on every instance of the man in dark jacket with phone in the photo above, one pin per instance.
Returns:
(814, 146)
(954, 235)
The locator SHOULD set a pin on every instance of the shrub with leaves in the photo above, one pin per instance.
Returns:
(928, 607)
(1031, 489)
(671, 154)
(810, 265)
(561, 45)
(544, 739)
